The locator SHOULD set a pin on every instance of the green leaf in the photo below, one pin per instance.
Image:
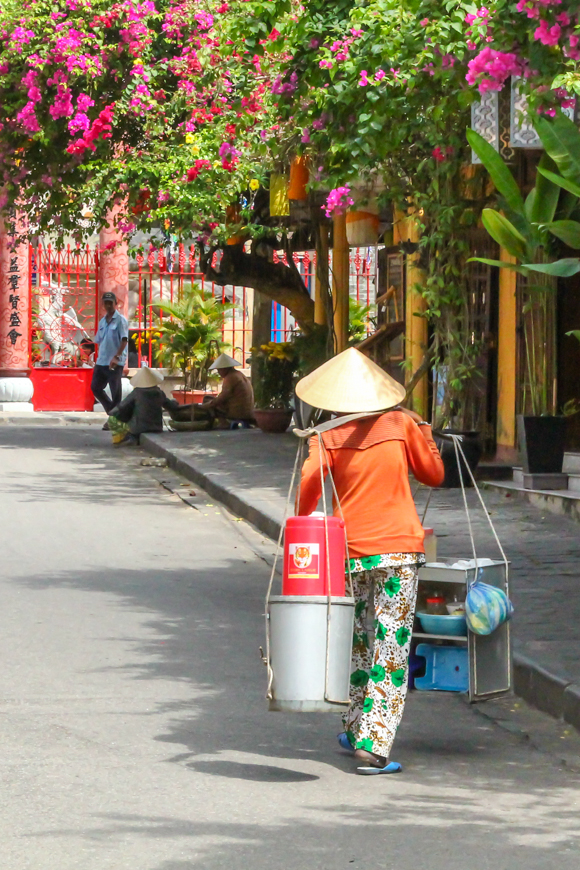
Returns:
(560, 269)
(502, 264)
(567, 231)
(504, 233)
(546, 195)
(500, 174)
(560, 181)
(575, 333)
(561, 139)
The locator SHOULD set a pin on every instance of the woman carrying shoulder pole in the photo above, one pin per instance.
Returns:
(370, 459)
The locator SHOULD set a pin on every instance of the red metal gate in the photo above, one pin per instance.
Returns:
(163, 275)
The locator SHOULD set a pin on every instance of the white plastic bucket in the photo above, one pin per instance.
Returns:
(298, 637)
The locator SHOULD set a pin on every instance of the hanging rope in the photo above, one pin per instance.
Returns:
(267, 662)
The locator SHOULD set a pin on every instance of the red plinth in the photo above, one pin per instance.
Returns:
(65, 389)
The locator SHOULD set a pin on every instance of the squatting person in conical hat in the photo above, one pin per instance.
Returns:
(370, 459)
(234, 402)
(142, 410)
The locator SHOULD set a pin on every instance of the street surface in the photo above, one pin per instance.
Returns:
(134, 730)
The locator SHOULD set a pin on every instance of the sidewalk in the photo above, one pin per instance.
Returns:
(250, 473)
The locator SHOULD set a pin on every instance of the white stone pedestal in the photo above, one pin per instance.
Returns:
(15, 394)
(17, 407)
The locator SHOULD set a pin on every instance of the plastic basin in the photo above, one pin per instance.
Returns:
(455, 626)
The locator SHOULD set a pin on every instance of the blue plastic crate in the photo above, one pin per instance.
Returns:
(447, 668)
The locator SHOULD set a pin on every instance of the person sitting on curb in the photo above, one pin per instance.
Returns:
(234, 402)
(142, 410)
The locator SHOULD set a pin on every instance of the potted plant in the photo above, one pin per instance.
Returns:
(530, 232)
(276, 365)
(190, 339)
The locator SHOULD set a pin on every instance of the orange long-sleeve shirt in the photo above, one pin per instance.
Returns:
(370, 461)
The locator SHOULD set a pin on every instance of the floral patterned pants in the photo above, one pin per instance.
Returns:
(385, 607)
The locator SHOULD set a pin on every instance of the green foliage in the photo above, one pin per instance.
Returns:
(534, 242)
(275, 365)
(499, 172)
(359, 317)
(504, 233)
(191, 334)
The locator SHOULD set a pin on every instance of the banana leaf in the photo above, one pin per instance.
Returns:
(567, 231)
(499, 172)
(546, 194)
(504, 233)
(501, 264)
(561, 139)
(560, 269)
(568, 185)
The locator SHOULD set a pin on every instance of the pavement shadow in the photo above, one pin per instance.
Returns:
(94, 474)
(204, 628)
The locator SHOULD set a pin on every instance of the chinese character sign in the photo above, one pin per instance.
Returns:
(14, 299)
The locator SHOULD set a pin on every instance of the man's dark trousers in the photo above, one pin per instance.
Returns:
(103, 375)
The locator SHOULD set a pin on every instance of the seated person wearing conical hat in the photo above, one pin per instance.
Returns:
(234, 402)
(142, 410)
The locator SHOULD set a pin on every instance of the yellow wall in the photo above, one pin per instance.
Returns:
(506, 361)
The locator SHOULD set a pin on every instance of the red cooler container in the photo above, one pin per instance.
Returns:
(305, 571)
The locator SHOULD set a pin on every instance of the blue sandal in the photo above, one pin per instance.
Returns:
(374, 766)
(344, 742)
(391, 767)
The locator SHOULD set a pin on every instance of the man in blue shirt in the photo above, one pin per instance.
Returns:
(112, 337)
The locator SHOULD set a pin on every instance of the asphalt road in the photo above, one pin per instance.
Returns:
(133, 727)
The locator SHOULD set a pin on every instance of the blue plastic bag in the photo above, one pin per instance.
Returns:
(486, 608)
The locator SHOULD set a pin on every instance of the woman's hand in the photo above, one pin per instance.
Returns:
(412, 414)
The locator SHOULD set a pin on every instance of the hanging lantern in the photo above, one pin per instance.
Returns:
(233, 217)
(279, 203)
(362, 225)
(298, 178)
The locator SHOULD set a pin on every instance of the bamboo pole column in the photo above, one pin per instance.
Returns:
(340, 282)
(506, 361)
(321, 278)
(416, 334)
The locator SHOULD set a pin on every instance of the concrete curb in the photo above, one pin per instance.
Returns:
(546, 691)
(554, 695)
(227, 495)
(563, 504)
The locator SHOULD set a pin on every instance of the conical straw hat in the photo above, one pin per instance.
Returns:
(224, 362)
(351, 383)
(146, 377)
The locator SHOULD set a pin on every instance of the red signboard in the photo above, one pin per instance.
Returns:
(62, 389)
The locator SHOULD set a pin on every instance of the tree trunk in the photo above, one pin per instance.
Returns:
(281, 283)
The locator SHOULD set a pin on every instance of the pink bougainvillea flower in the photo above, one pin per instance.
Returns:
(364, 79)
(548, 35)
(379, 75)
(337, 201)
(438, 154)
(494, 67)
